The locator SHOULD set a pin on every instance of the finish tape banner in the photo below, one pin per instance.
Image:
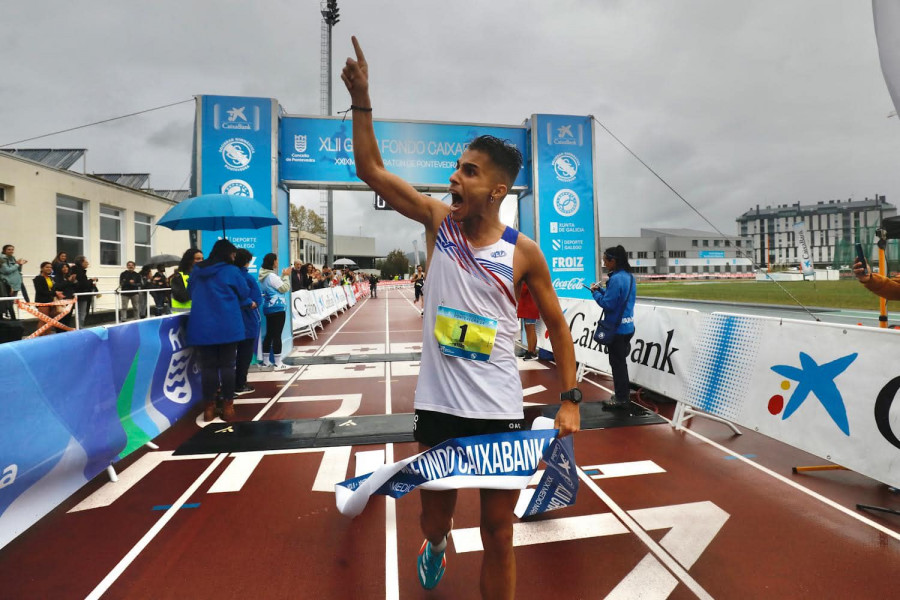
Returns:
(825, 388)
(505, 461)
(57, 433)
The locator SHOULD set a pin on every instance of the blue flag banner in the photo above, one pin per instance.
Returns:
(559, 483)
(494, 461)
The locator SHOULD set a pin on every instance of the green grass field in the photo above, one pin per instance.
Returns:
(831, 294)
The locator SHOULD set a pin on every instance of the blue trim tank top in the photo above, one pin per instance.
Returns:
(469, 368)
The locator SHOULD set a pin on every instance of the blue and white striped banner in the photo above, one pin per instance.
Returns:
(494, 461)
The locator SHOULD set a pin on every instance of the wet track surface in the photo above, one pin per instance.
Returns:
(662, 513)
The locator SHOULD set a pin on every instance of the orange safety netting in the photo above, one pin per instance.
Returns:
(49, 322)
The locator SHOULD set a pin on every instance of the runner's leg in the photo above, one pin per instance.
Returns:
(498, 566)
(436, 518)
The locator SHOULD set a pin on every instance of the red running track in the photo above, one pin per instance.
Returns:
(661, 513)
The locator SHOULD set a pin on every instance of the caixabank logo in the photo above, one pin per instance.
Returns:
(883, 404)
(816, 380)
(655, 354)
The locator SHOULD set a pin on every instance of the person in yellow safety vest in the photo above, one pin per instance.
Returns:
(181, 300)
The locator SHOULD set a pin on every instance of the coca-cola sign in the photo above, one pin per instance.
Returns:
(568, 284)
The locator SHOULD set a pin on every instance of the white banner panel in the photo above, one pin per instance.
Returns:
(824, 388)
(661, 348)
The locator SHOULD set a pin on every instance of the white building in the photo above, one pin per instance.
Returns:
(685, 252)
(833, 225)
(46, 208)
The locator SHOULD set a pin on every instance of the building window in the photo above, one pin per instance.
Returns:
(737, 243)
(706, 243)
(694, 243)
(2, 194)
(110, 236)
(717, 243)
(642, 255)
(69, 226)
(728, 243)
(142, 227)
(677, 253)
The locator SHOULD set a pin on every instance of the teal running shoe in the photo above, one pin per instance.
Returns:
(430, 566)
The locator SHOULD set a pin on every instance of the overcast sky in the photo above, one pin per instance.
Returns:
(733, 103)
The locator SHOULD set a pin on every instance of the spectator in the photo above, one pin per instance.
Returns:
(181, 300)
(527, 310)
(618, 299)
(251, 326)
(885, 287)
(10, 280)
(45, 292)
(299, 277)
(159, 281)
(219, 293)
(273, 290)
(61, 259)
(64, 282)
(146, 284)
(83, 285)
(129, 286)
(373, 285)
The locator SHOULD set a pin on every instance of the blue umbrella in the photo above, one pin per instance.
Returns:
(211, 212)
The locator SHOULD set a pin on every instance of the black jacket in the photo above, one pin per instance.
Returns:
(129, 281)
(42, 292)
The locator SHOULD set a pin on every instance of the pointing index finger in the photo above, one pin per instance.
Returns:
(360, 57)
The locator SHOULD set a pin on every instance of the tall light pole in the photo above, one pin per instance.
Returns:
(330, 18)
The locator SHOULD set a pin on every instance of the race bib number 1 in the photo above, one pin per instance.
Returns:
(463, 334)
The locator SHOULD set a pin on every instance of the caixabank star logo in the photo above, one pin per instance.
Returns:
(813, 379)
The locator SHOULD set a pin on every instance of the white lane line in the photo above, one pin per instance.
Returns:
(595, 384)
(349, 403)
(126, 561)
(391, 560)
(528, 533)
(533, 390)
(237, 473)
(649, 580)
(113, 490)
(796, 485)
(692, 527)
(300, 371)
(657, 550)
(368, 460)
(624, 469)
(333, 468)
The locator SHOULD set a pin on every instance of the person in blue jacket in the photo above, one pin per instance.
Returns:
(620, 290)
(251, 326)
(219, 293)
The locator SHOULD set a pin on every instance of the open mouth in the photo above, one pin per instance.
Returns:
(455, 200)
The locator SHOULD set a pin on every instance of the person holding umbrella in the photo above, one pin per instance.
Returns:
(219, 293)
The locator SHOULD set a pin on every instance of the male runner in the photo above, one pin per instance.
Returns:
(418, 280)
(472, 280)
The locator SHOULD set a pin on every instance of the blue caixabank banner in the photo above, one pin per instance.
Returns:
(77, 402)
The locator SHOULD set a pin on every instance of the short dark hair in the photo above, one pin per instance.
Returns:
(269, 260)
(502, 153)
(242, 258)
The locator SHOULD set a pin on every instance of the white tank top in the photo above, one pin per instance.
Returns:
(479, 281)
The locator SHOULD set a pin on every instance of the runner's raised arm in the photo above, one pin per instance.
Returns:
(399, 194)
